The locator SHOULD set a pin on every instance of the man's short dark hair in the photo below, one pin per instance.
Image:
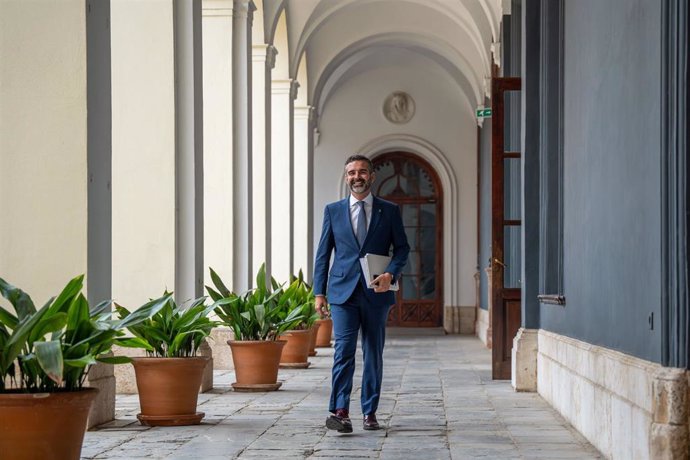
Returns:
(358, 157)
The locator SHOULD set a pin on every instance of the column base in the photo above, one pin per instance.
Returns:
(459, 320)
(524, 360)
(222, 357)
(102, 376)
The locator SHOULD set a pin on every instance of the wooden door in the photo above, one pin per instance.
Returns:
(505, 229)
(412, 183)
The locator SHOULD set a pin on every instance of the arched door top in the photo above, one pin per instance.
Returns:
(411, 182)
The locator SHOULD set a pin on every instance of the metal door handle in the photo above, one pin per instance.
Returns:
(500, 263)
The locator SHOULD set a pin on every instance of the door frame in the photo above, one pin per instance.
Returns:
(504, 299)
(438, 263)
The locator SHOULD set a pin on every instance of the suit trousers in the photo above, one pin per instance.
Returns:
(356, 314)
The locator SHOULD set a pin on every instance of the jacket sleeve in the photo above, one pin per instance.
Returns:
(323, 255)
(401, 248)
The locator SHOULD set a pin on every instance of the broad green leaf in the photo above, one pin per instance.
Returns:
(215, 296)
(144, 312)
(64, 299)
(103, 307)
(133, 342)
(84, 361)
(20, 300)
(218, 283)
(8, 319)
(49, 355)
(47, 325)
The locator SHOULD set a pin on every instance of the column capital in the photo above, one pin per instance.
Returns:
(281, 86)
(304, 113)
(243, 9)
(265, 53)
(294, 87)
(289, 86)
(271, 53)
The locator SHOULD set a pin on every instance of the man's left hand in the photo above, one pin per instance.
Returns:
(382, 283)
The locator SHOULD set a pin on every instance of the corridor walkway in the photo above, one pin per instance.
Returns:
(439, 402)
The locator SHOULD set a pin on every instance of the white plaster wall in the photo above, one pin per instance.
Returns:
(353, 118)
(43, 150)
(143, 150)
(218, 182)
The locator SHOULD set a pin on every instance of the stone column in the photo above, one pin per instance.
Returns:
(303, 190)
(283, 93)
(189, 162)
(100, 209)
(263, 60)
(524, 360)
(241, 145)
(189, 216)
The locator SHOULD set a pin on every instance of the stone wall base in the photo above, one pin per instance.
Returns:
(482, 327)
(524, 360)
(625, 406)
(458, 320)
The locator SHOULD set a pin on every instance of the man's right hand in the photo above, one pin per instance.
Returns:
(321, 305)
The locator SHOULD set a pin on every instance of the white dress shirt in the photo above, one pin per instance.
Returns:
(354, 210)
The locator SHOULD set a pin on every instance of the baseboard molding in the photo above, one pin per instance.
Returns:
(458, 320)
(482, 329)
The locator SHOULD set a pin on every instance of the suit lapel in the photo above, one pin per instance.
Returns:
(375, 218)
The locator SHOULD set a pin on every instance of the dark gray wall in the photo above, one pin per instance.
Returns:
(530, 162)
(611, 176)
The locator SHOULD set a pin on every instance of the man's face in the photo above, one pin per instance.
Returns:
(358, 177)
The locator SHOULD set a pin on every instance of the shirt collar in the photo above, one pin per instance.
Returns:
(369, 200)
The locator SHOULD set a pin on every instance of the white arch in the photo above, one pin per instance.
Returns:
(458, 13)
(451, 199)
(442, 53)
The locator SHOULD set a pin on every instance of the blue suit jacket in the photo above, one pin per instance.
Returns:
(337, 237)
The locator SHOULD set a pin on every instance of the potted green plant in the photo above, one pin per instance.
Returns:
(256, 322)
(298, 297)
(316, 323)
(169, 377)
(45, 357)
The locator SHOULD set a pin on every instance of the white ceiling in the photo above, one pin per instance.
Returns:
(342, 38)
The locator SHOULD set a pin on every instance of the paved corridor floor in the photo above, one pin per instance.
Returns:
(438, 402)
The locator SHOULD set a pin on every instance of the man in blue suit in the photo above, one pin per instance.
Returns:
(353, 227)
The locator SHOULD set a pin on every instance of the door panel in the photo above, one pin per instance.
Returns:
(506, 226)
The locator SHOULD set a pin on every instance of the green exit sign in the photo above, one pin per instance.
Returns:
(483, 113)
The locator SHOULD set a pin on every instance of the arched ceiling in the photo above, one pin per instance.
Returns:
(341, 37)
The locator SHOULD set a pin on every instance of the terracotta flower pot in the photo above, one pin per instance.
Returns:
(256, 364)
(168, 390)
(44, 425)
(323, 336)
(312, 341)
(296, 351)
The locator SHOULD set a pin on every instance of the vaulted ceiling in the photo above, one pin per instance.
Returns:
(341, 38)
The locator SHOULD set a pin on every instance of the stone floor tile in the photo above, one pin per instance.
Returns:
(438, 402)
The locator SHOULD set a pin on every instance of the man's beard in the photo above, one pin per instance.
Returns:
(360, 186)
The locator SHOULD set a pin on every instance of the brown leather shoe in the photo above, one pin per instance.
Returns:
(370, 422)
(340, 421)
